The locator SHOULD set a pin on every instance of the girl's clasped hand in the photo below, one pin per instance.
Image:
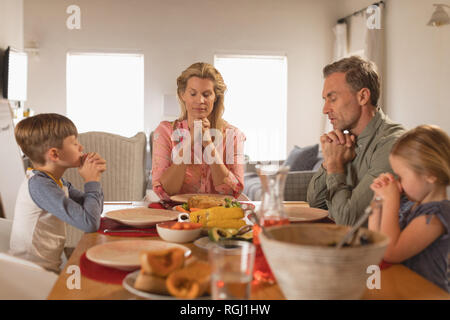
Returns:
(386, 185)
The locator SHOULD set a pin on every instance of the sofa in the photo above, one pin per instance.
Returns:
(303, 162)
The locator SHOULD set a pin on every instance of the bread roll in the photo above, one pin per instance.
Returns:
(205, 202)
(153, 284)
(161, 262)
(190, 282)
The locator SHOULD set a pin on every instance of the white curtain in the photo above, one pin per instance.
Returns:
(340, 43)
(374, 43)
(340, 51)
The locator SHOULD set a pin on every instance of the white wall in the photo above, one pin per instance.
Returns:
(418, 65)
(417, 87)
(11, 23)
(11, 29)
(173, 34)
(11, 167)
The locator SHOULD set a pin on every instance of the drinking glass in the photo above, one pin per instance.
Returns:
(232, 269)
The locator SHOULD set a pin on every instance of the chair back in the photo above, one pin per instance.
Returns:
(125, 177)
(23, 280)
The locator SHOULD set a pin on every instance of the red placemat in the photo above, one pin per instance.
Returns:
(106, 223)
(156, 205)
(100, 273)
(384, 265)
(168, 205)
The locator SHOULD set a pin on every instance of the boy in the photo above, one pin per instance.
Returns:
(45, 202)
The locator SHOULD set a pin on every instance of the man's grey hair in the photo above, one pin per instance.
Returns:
(359, 73)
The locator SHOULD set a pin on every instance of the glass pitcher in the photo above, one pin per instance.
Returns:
(270, 213)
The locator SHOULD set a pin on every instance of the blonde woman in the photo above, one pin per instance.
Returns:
(199, 152)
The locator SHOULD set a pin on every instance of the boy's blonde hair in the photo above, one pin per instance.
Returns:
(37, 134)
(427, 151)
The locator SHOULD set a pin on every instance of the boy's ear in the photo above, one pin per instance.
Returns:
(52, 154)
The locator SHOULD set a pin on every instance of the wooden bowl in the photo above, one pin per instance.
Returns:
(307, 267)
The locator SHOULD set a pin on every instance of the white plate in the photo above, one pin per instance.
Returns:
(300, 213)
(124, 255)
(141, 216)
(128, 284)
(204, 243)
(185, 197)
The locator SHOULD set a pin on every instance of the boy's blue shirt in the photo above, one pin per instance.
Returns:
(80, 209)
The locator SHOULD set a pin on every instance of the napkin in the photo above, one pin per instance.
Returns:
(107, 223)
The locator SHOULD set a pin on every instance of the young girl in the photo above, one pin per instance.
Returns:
(420, 233)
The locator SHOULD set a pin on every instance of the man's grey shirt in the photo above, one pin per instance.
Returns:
(346, 195)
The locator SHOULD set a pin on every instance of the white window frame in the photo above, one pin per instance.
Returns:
(276, 142)
(140, 98)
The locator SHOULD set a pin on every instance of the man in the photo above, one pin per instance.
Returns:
(351, 159)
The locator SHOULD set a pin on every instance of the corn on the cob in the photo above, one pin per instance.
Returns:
(230, 223)
(219, 217)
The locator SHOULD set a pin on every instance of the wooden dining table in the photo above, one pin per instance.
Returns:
(397, 281)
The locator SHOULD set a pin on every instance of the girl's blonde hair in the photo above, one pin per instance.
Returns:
(427, 150)
(204, 71)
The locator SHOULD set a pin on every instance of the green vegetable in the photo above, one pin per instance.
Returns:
(246, 236)
(231, 203)
(216, 234)
(185, 206)
(232, 231)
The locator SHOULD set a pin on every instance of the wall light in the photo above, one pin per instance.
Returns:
(33, 50)
(440, 16)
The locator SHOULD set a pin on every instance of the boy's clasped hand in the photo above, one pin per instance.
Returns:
(92, 165)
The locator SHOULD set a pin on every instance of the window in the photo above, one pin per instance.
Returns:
(105, 92)
(256, 102)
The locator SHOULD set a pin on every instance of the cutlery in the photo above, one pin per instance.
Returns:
(165, 205)
(376, 203)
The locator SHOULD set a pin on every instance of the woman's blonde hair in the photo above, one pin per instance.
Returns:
(204, 71)
(427, 151)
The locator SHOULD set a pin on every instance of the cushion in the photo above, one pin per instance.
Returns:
(252, 187)
(319, 161)
(318, 164)
(301, 159)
